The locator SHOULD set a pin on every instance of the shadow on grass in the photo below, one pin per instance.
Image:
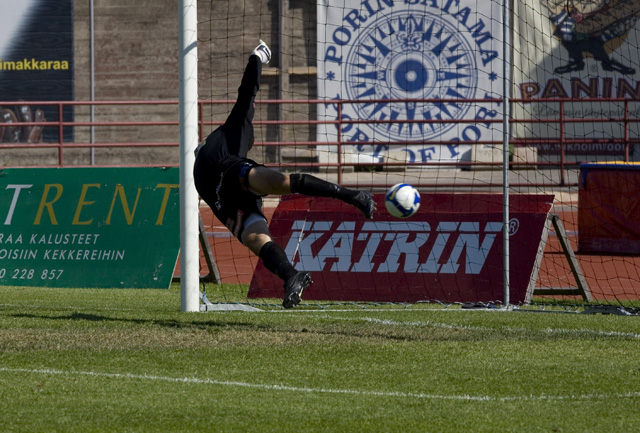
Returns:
(168, 323)
(328, 330)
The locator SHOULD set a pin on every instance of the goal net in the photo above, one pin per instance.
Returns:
(463, 100)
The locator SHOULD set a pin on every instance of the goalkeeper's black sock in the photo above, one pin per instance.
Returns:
(276, 261)
(314, 186)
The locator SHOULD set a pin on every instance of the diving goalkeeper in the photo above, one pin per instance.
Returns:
(233, 185)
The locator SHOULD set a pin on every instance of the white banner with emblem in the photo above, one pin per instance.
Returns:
(574, 51)
(413, 68)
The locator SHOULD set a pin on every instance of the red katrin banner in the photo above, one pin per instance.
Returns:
(451, 250)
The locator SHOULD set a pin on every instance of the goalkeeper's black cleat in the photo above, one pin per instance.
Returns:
(294, 287)
(365, 203)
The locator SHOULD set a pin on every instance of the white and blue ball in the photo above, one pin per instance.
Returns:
(402, 200)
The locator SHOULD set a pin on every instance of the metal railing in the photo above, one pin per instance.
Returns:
(56, 141)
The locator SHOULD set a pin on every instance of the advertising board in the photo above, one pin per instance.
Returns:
(89, 227)
(451, 250)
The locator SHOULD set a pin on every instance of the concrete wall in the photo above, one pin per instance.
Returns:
(136, 59)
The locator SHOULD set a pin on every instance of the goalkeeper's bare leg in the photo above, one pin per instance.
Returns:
(264, 181)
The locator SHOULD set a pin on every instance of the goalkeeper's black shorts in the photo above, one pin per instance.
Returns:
(224, 186)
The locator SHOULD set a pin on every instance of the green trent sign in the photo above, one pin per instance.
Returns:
(89, 227)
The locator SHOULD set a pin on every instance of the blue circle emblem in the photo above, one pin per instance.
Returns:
(411, 55)
(411, 75)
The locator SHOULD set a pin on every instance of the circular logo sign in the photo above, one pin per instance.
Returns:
(407, 55)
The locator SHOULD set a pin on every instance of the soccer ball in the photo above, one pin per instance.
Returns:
(402, 200)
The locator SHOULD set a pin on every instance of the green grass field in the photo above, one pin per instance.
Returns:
(129, 361)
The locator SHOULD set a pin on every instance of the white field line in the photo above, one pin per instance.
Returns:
(267, 387)
(376, 309)
(548, 331)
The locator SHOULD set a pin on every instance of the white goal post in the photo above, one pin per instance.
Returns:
(188, 82)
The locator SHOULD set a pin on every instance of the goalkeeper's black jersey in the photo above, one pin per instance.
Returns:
(222, 166)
